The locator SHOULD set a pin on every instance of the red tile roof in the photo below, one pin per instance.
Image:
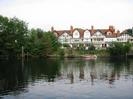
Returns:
(81, 31)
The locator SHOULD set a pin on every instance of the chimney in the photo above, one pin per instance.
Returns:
(71, 28)
(111, 27)
(92, 27)
(52, 29)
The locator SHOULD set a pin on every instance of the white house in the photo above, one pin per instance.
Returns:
(100, 38)
(87, 36)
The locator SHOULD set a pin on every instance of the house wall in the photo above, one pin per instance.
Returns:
(76, 37)
(87, 37)
(97, 39)
(65, 38)
(76, 34)
(123, 38)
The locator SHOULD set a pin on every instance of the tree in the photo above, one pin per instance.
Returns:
(42, 43)
(51, 42)
(129, 31)
(12, 32)
(118, 48)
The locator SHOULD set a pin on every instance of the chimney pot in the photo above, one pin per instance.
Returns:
(71, 28)
(92, 27)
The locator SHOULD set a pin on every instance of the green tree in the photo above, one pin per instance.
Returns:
(12, 32)
(51, 42)
(42, 43)
(118, 48)
(129, 31)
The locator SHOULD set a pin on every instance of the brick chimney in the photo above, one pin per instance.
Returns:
(92, 27)
(111, 27)
(71, 28)
(52, 29)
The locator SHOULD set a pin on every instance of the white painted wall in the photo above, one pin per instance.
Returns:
(87, 36)
(65, 38)
(124, 38)
(76, 34)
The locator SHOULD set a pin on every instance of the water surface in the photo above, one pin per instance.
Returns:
(66, 79)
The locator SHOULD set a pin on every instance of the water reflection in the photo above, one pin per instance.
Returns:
(11, 76)
(16, 76)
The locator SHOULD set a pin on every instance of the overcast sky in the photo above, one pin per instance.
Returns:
(63, 13)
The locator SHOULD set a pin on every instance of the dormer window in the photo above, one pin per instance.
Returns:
(109, 33)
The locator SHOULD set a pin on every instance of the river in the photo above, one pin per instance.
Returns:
(103, 78)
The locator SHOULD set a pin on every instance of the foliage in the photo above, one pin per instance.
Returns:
(81, 48)
(117, 48)
(129, 31)
(91, 48)
(61, 52)
(66, 45)
(42, 43)
(12, 35)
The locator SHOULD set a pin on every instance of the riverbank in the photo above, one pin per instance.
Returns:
(69, 54)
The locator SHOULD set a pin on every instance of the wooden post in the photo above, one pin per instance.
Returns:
(22, 52)
(23, 57)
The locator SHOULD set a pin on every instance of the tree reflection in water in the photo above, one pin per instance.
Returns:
(16, 77)
(12, 77)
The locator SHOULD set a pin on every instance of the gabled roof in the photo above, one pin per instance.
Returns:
(92, 32)
(125, 32)
(60, 32)
(98, 30)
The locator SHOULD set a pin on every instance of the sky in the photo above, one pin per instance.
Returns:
(62, 13)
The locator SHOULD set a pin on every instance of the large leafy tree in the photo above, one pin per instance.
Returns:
(42, 43)
(12, 35)
(51, 42)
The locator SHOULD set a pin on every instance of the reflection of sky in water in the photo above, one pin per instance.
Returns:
(80, 79)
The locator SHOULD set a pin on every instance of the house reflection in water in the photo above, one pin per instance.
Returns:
(15, 76)
(81, 72)
(71, 77)
(93, 71)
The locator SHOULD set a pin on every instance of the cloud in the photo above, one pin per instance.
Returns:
(80, 13)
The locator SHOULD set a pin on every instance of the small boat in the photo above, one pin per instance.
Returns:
(89, 57)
